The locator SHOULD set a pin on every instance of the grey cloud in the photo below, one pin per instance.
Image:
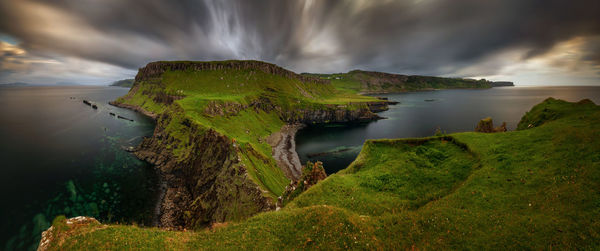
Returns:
(418, 37)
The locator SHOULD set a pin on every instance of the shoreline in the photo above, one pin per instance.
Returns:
(283, 145)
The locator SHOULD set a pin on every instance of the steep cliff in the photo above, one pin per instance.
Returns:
(214, 120)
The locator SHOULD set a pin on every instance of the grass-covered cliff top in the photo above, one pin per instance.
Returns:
(358, 81)
(242, 100)
(535, 188)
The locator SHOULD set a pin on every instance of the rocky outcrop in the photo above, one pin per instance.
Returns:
(63, 228)
(331, 114)
(156, 69)
(135, 108)
(311, 174)
(487, 126)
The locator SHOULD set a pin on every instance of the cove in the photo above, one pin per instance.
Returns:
(419, 114)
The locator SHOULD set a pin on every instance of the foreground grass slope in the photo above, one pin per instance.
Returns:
(535, 188)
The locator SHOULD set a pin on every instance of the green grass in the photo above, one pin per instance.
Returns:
(535, 188)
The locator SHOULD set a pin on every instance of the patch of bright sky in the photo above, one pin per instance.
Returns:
(8, 39)
(562, 65)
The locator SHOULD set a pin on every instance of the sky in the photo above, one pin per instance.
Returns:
(529, 42)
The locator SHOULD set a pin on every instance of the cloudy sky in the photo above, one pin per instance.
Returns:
(543, 42)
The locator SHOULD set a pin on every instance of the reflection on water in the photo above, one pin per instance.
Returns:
(61, 157)
(451, 110)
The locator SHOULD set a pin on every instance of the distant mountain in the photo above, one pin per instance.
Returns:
(128, 83)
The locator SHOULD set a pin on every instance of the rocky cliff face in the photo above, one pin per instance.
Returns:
(210, 185)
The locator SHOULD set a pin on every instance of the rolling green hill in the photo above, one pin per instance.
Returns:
(535, 188)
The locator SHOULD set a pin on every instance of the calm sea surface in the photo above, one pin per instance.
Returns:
(61, 157)
(450, 110)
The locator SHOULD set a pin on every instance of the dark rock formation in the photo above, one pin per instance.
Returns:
(87, 102)
(121, 117)
(487, 126)
(135, 108)
(311, 174)
(210, 185)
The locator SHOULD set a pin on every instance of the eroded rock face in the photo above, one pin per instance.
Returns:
(209, 185)
(487, 126)
(312, 173)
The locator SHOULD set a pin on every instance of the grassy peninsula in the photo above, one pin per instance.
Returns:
(371, 82)
(534, 188)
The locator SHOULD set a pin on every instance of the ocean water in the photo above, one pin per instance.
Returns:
(420, 113)
(61, 157)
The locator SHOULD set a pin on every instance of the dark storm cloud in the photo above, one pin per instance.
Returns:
(420, 37)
